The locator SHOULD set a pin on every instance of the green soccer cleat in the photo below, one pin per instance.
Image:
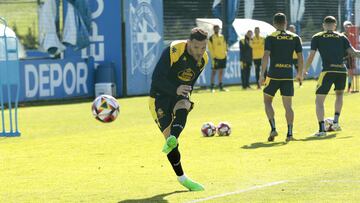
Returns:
(170, 144)
(191, 185)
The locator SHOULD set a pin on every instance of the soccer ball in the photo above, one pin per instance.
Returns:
(224, 129)
(208, 129)
(105, 108)
(329, 122)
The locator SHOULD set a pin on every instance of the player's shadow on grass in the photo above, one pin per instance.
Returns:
(277, 144)
(157, 198)
(263, 144)
(314, 138)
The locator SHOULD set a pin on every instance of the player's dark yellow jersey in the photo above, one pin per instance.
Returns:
(176, 67)
(282, 45)
(332, 47)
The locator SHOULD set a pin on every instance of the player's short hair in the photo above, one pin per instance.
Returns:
(329, 20)
(256, 28)
(216, 26)
(279, 19)
(198, 34)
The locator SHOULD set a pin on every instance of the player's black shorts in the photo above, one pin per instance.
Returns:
(257, 62)
(161, 108)
(326, 79)
(219, 64)
(272, 85)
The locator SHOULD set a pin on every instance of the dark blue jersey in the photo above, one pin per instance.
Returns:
(332, 47)
(176, 67)
(282, 45)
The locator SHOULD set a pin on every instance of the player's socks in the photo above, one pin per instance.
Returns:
(272, 124)
(290, 130)
(321, 126)
(170, 144)
(174, 159)
(179, 122)
(336, 117)
(212, 87)
(190, 184)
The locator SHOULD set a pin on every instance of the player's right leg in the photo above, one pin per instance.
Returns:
(325, 82)
(340, 84)
(320, 111)
(270, 89)
(287, 92)
(159, 110)
(212, 80)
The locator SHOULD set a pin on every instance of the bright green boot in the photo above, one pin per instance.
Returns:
(170, 144)
(192, 185)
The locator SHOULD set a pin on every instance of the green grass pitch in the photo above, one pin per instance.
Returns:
(65, 155)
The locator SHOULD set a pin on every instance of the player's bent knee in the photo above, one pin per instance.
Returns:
(182, 104)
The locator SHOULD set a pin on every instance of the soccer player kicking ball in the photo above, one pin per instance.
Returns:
(333, 46)
(172, 81)
(279, 46)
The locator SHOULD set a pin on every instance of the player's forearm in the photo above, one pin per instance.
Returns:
(264, 64)
(300, 64)
(309, 61)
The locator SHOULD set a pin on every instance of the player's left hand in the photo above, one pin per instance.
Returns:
(299, 77)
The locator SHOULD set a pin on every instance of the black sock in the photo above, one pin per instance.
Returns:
(290, 128)
(336, 117)
(179, 122)
(220, 85)
(174, 158)
(272, 124)
(321, 126)
(212, 86)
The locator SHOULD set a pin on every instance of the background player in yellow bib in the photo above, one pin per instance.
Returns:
(333, 47)
(172, 82)
(218, 51)
(258, 44)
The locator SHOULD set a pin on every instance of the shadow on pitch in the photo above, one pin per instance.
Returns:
(263, 144)
(277, 144)
(157, 198)
(314, 138)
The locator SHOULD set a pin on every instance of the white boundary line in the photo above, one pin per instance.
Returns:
(239, 191)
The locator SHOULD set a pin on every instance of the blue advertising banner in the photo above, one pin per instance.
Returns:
(232, 74)
(144, 42)
(106, 38)
(55, 79)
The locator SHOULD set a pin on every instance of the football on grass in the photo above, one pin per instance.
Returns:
(105, 108)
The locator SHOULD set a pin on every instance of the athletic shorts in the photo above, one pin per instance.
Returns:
(257, 62)
(161, 108)
(273, 85)
(219, 64)
(326, 79)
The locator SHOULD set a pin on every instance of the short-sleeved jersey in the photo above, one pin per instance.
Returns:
(282, 45)
(217, 46)
(332, 47)
(176, 67)
(258, 44)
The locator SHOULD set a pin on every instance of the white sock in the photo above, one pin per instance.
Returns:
(182, 178)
